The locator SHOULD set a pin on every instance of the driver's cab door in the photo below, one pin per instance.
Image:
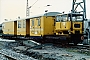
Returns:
(58, 22)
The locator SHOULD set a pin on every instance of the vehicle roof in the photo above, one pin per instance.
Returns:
(73, 14)
(10, 21)
(45, 14)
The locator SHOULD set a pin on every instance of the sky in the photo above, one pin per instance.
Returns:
(11, 9)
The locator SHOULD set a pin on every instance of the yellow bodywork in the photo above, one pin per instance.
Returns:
(66, 26)
(61, 26)
(46, 26)
(10, 28)
(77, 29)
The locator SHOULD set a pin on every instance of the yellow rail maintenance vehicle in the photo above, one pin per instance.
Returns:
(35, 27)
(70, 27)
(50, 27)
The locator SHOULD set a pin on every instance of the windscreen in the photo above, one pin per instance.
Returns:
(77, 18)
(69, 17)
(61, 18)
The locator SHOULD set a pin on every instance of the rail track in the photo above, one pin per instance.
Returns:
(14, 56)
(48, 51)
(52, 51)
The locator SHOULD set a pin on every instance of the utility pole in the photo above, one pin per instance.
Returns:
(28, 7)
(76, 4)
(27, 10)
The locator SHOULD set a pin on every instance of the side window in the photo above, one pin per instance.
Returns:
(19, 24)
(24, 23)
(39, 22)
(58, 18)
(32, 22)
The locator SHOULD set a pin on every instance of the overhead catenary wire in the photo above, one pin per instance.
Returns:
(33, 3)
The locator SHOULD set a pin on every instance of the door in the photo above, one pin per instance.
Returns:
(27, 27)
(15, 27)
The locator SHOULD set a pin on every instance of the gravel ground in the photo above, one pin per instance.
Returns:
(50, 53)
(59, 54)
(5, 51)
(2, 57)
(16, 56)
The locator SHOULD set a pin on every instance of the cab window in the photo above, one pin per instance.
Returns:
(58, 18)
(75, 18)
(61, 18)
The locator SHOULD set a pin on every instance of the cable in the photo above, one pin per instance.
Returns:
(33, 4)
